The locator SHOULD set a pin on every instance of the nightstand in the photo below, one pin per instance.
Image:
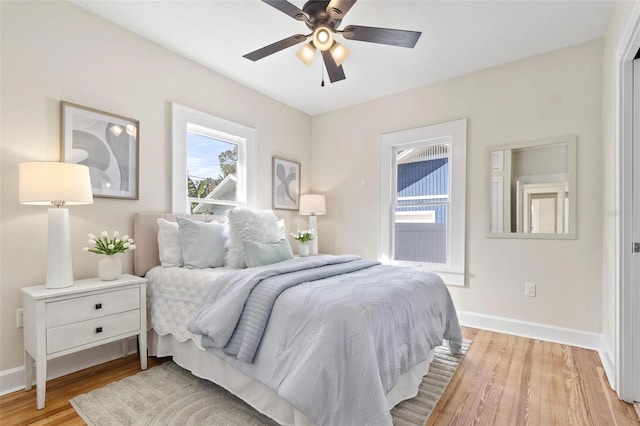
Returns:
(92, 312)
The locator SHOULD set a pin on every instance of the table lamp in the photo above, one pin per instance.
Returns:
(313, 205)
(55, 184)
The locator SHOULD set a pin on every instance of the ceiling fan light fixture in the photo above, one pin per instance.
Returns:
(307, 53)
(323, 37)
(339, 53)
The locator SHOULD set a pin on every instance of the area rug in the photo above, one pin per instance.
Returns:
(170, 395)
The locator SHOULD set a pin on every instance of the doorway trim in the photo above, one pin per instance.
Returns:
(628, 46)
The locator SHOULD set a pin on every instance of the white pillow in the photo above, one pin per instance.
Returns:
(248, 225)
(282, 231)
(202, 243)
(169, 249)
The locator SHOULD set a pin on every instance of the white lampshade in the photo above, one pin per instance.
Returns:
(312, 204)
(56, 185)
(306, 54)
(339, 53)
(47, 183)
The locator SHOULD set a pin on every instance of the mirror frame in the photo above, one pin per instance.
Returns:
(571, 141)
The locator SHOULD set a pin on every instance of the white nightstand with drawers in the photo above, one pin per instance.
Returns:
(62, 321)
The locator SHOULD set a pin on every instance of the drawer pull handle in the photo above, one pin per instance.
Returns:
(98, 305)
(99, 330)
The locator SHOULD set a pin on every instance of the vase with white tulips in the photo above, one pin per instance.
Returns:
(304, 238)
(110, 266)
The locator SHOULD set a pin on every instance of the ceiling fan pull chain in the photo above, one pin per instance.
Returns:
(322, 68)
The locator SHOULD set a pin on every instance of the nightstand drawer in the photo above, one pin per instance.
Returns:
(93, 330)
(92, 306)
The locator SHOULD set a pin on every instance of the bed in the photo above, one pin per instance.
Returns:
(315, 360)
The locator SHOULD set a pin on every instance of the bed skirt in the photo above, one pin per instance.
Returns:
(208, 366)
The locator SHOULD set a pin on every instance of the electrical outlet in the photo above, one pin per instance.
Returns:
(530, 289)
(19, 318)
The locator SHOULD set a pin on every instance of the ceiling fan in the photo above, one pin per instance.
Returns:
(323, 18)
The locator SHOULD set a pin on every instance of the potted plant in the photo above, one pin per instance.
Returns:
(109, 267)
(303, 238)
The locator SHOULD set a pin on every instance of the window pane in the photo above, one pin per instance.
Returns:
(211, 171)
(422, 200)
(421, 234)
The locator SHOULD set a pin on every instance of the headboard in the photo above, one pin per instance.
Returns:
(145, 234)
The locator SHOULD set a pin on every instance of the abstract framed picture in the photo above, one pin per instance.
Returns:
(106, 143)
(286, 184)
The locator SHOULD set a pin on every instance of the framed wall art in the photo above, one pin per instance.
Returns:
(106, 143)
(286, 184)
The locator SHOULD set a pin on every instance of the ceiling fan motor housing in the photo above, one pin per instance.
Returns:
(317, 11)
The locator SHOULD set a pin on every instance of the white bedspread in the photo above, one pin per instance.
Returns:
(174, 296)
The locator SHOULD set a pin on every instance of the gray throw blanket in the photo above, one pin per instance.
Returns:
(330, 334)
(257, 309)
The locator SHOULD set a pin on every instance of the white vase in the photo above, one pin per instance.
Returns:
(303, 249)
(109, 268)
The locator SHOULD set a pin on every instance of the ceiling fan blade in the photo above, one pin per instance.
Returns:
(335, 72)
(389, 36)
(336, 9)
(288, 8)
(275, 47)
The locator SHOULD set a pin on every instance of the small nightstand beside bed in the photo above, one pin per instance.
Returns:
(345, 341)
(92, 312)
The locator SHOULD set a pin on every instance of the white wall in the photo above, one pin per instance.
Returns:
(53, 51)
(549, 95)
(617, 22)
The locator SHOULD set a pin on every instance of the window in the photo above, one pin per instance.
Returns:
(422, 203)
(213, 163)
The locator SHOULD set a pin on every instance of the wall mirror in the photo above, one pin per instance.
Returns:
(532, 192)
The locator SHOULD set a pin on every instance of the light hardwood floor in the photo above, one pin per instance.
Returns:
(503, 380)
(510, 380)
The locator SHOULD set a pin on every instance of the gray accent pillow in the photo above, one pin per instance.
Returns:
(260, 254)
(202, 243)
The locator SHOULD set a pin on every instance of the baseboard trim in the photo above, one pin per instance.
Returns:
(549, 333)
(12, 380)
(606, 357)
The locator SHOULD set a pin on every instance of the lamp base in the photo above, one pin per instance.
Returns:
(313, 224)
(59, 267)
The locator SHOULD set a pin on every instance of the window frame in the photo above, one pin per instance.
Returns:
(455, 132)
(211, 126)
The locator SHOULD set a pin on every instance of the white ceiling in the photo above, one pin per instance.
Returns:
(458, 37)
